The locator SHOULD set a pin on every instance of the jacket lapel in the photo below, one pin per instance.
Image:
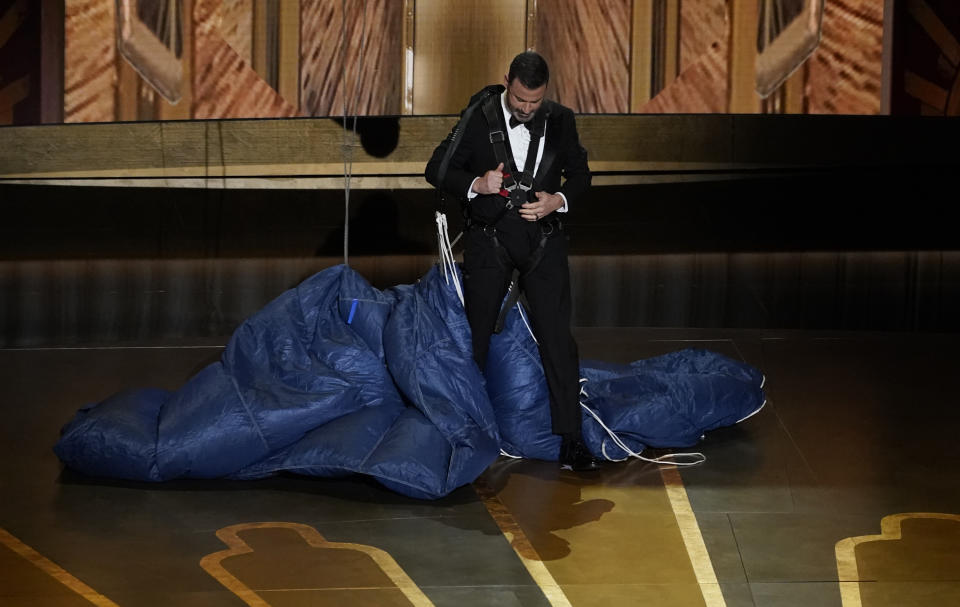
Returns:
(550, 147)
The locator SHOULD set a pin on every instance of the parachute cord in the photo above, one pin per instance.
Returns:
(447, 262)
(347, 146)
(523, 317)
(668, 459)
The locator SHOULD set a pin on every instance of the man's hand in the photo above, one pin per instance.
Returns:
(546, 203)
(491, 182)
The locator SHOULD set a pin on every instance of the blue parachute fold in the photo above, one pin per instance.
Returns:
(335, 377)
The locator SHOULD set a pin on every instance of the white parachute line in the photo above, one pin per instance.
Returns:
(505, 454)
(523, 317)
(346, 148)
(748, 416)
(448, 264)
(668, 459)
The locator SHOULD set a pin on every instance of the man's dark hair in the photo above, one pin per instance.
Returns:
(531, 68)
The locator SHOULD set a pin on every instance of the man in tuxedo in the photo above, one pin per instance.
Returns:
(504, 160)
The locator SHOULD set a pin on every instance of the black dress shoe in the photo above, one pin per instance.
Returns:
(575, 456)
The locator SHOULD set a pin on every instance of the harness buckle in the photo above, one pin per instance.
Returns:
(497, 137)
(526, 181)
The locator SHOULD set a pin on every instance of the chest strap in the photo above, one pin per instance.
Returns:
(514, 191)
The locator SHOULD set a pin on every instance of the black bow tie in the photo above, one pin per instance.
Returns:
(514, 122)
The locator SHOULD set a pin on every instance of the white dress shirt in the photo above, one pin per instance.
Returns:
(519, 144)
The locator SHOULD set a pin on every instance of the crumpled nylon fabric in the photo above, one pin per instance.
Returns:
(335, 377)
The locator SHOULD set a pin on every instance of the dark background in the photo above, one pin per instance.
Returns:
(844, 248)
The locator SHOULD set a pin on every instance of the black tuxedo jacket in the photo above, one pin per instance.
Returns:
(563, 167)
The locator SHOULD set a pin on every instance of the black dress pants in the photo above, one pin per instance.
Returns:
(490, 256)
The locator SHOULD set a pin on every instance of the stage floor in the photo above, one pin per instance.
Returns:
(843, 490)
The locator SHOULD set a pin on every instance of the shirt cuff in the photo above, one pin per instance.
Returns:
(470, 193)
(564, 208)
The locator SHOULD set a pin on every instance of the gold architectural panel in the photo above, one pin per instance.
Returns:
(259, 58)
(350, 63)
(587, 45)
(742, 48)
(460, 47)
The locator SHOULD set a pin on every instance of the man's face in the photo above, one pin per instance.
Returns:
(522, 102)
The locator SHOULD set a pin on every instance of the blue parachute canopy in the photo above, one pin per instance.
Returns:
(335, 377)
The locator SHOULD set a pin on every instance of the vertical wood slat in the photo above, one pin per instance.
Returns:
(641, 45)
(183, 109)
(127, 91)
(671, 46)
(588, 48)
(795, 93)
(147, 100)
(460, 47)
(531, 35)
(406, 83)
(744, 15)
(375, 25)
(288, 55)
(258, 44)
(52, 19)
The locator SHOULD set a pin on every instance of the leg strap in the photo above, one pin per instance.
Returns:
(547, 228)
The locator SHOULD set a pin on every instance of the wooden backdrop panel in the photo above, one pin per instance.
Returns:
(226, 85)
(845, 70)
(374, 37)
(702, 23)
(237, 27)
(460, 47)
(700, 88)
(587, 45)
(90, 55)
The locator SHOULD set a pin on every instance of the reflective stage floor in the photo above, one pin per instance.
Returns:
(843, 491)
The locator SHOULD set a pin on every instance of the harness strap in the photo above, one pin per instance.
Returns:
(514, 191)
(516, 194)
(513, 291)
(523, 270)
(453, 143)
(498, 139)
